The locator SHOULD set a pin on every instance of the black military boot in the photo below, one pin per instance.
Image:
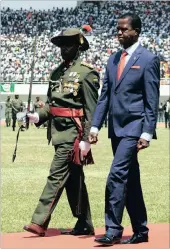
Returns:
(81, 228)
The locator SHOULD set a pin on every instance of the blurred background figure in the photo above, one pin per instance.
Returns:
(38, 104)
(161, 113)
(17, 106)
(167, 113)
(8, 111)
(1, 107)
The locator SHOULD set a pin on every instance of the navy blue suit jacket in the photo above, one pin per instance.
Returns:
(132, 102)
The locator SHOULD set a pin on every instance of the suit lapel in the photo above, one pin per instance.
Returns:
(134, 57)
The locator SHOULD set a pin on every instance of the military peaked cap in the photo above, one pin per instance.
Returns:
(72, 35)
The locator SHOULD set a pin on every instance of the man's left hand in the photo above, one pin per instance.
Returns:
(142, 144)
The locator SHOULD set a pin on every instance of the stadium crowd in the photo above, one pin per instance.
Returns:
(19, 29)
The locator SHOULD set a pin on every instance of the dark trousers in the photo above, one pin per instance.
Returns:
(14, 119)
(8, 118)
(64, 174)
(167, 120)
(123, 188)
(160, 116)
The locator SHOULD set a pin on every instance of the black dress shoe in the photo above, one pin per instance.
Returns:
(107, 240)
(77, 232)
(135, 239)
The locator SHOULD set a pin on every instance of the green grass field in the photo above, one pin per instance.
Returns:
(24, 180)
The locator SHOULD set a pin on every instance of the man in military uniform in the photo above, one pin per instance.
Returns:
(38, 104)
(8, 111)
(17, 106)
(72, 98)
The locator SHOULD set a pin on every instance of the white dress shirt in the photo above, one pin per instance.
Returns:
(130, 51)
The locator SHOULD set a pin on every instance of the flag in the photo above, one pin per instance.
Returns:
(7, 87)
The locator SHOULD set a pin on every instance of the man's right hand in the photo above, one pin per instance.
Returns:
(93, 138)
(93, 135)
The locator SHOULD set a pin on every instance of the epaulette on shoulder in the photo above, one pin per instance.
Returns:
(87, 65)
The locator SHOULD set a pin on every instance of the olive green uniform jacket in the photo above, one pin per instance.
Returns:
(74, 87)
(17, 106)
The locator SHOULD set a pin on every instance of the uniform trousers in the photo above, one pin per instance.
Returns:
(8, 116)
(64, 174)
(14, 119)
(167, 120)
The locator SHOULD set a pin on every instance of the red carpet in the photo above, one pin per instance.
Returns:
(158, 238)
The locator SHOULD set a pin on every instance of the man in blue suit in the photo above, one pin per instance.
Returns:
(130, 96)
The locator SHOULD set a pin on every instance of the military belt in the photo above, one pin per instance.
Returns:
(66, 112)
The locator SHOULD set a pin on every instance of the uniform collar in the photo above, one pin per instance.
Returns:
(72, 63)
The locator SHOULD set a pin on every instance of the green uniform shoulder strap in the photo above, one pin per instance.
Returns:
(90, 66)
(93, 78)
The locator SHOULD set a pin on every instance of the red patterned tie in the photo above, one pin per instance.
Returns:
(121, 64)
